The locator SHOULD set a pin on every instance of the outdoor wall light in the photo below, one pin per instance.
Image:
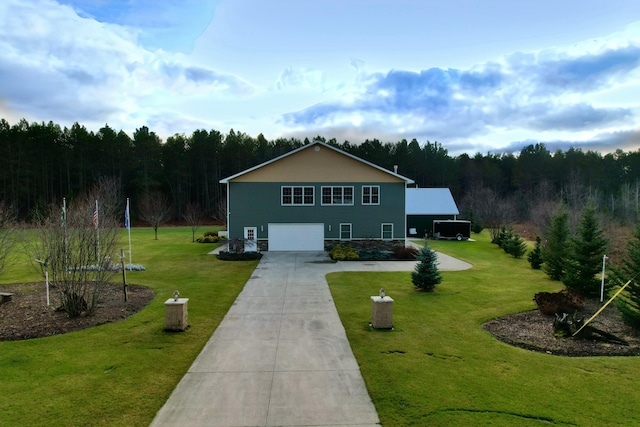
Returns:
(261, 228)
(329, 227)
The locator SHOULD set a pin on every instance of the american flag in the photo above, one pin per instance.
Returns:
(95, 215)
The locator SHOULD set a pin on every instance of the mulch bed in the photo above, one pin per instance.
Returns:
(534, 331)
(27, 315)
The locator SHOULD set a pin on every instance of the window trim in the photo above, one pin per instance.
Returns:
(292, 195)
(350, 231)
(332, 187)
(382, 230)
(370, 187)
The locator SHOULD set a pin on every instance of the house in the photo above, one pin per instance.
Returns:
(314, 197)
(424, 205)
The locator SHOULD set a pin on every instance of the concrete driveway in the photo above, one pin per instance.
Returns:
(281, 357)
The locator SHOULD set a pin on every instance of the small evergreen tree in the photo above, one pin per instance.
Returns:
(503, 236)
(426, 275)
(585, 255)
(554, 252)
(476, 224)
(514, 245)
(535, 256)
(629, 301)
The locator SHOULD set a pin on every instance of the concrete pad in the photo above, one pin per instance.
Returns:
(218, 399)
(298, 326)
(264, 290)
(308, 305)
(236, 356)
(280, 357)
(257, 305)
(322, 398)
(300, 355)
(249, 327)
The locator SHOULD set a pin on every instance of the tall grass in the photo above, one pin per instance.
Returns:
(440, 368)
(120, 374)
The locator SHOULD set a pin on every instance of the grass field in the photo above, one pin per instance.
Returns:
(440, 368)
(120, 374)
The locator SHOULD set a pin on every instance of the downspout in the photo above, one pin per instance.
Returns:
(228, 212)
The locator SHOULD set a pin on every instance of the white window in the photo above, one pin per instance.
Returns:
(345, 231)
(387, 231)
(370, 194)
(337, 195)
(297, 196)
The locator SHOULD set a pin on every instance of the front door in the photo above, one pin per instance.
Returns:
(250, 239)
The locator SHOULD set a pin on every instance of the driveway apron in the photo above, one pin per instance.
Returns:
(280, 357)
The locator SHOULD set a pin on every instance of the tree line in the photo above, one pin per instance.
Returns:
(40, 163)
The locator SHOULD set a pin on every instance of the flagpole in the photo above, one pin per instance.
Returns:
(95, 224)
(64, 228)
(128, 224)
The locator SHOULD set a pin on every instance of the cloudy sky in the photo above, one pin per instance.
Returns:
(476, 76)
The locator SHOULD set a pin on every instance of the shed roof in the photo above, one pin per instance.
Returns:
(430, 201)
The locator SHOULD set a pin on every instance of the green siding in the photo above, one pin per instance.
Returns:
(253, 204)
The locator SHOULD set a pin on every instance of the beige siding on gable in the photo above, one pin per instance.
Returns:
(317, 164)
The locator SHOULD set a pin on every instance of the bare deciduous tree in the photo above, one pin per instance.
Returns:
(8, 237)
(220, 210)
(76, 254)
(493, 210)
(193, 216)
(155, 209)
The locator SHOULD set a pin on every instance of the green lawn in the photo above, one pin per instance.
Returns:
(120, 374)
(440, 368)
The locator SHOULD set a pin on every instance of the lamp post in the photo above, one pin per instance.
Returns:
(604, 259)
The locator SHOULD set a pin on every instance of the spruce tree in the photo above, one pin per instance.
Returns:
(515, 245)
(426, 275)
(585, 255)
(629, 301)
(535, 256)
(554, 252)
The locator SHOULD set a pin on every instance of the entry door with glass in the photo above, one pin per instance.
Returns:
(250, 239)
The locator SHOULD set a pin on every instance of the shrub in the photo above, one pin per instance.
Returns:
(405, 252)
(426, 275)
(210, 233)
(208, 239)
(238, 256)
(343, 253)
(503, 236)
(535, 256)
(514, 245)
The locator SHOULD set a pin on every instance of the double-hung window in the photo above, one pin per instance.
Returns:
(387, 231)
(297, 196)
(337, 196)
(345, 231)
(370, 194)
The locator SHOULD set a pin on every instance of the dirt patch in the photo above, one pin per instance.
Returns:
(534, 331)
(27, 315)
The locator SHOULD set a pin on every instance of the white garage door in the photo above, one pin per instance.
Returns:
(296, 237)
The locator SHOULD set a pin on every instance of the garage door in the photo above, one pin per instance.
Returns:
(296, 237)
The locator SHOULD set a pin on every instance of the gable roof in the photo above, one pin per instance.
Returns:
(318, 144)
(430, 201)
